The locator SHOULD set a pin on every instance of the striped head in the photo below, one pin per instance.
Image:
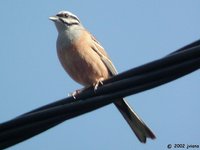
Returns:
(65, 20)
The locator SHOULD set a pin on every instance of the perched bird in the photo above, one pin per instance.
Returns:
(86, 61)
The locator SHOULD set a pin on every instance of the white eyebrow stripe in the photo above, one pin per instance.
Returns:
(68, 22)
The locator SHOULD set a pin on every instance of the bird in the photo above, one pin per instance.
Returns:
(87, 62)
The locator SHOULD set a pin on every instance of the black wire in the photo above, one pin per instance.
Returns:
(169, 68)
(155, 65)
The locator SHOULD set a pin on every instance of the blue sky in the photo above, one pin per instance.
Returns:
(133, 33)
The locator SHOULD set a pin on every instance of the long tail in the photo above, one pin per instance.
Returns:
(137, 125)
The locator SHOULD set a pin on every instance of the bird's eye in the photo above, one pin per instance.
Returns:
(65, 15)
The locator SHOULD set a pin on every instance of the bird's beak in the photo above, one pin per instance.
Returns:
(53, 18)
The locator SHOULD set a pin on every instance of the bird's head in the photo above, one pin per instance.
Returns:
(65, 20)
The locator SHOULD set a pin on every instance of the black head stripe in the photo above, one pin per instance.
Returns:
(65, 15)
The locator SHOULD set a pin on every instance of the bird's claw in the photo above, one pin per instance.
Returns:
(75, 93)
(96, 85)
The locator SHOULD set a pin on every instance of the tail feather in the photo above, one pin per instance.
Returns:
(137, 125)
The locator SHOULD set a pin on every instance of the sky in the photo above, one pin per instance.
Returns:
(133, 33)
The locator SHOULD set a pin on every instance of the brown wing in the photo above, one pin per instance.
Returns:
(98, 45)
(104, 56)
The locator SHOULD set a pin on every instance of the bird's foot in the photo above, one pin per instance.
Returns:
(98, 83)
(75, 93)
